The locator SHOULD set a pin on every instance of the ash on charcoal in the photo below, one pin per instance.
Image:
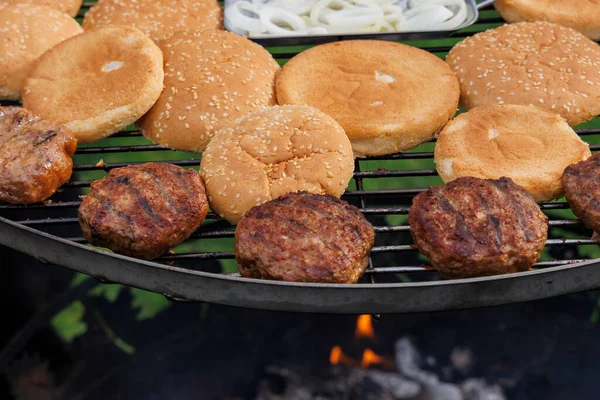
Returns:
(410, 382)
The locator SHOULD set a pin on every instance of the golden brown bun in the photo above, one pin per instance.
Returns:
(530, 63)
(26, 32)
(211, 79)
(269, 153)
(581, 15)
(388, 96)
(527, 144)
(70, 7)
(158, 19)
(96, 83)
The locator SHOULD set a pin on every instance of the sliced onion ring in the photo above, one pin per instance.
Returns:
(234, 14)
(269, 14)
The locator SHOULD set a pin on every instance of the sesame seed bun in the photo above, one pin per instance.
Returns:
(96, 83)
(70, 7)
(389, 97)
(26, 32)
(581, 15)
(269, 153)
(211, 79)
(530, 145)
(158, 19)
(530, 63)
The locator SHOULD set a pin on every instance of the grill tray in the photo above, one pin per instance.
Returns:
(382, 188)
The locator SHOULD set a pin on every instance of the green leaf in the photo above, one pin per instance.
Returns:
(68, 323)
(148, 303)
(78, 279)
(109, 291)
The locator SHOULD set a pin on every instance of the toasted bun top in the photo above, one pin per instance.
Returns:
(372, 87)
(266, 154)
(158, 19)
(582, 15)
(70, 7)
(527, 144)
(26, 32)
(530, 63)
(211, 79)
(96, 76)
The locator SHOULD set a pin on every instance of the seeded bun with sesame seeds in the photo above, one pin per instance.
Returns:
(26, 32)
(389, 97)
(530, 145)
(530, 63)
(157, 19)
(266, 154)
(70, 7)
(211, 79)
(582, 15)
(96, 83)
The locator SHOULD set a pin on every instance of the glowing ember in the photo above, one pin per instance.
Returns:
(364, 327)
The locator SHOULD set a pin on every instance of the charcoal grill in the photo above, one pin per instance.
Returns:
(396, 280)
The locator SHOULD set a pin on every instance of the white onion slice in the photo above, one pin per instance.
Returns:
(456, 21)
(426, 17)
(299, 7)
(392, 13)
(355, 17)
(324, 6)
(270, 14)
(239, 20)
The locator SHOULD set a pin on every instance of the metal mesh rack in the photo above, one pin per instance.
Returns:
(397, 280)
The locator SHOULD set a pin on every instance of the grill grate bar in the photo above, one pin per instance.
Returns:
(226, 233)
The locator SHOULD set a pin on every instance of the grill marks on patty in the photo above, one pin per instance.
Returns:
(582, 187)
(473, 227)
(35, 156)
(143, 210)
(304, 237)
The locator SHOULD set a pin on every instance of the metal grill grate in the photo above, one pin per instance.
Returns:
(382, 188)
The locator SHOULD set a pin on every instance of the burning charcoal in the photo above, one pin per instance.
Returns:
(380, 385)
(462, 359)
(441, 391)
(477, 389)
(409, 361)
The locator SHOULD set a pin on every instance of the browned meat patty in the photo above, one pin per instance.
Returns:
(35, 156)
(144, 210)
(474, 227)
(302, 237)
(582, 190)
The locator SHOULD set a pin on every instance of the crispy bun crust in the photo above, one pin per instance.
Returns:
(70, 7)
(269, 153)
(530, 63)
(211, 79)
(581, 15)
(96, 83)
(157, 19)
(529, 145)
(26, 32)
(387, 96)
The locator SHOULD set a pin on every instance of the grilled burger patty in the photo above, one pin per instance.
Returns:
(303, 237)
(35, 156)
(475, 227)
(144, 210)
(582, 186)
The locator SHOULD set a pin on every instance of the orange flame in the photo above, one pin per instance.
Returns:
(364, 327)
(370, 358)
(337, 356)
